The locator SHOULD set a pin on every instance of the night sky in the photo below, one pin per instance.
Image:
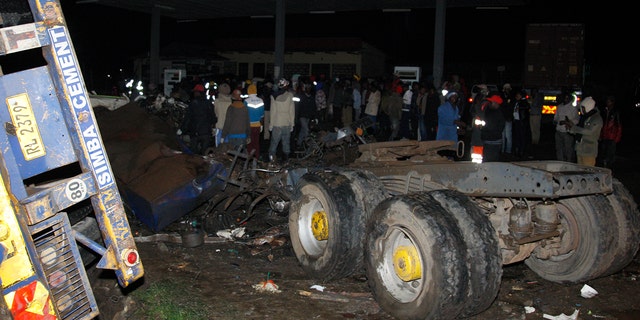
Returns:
(106, 38)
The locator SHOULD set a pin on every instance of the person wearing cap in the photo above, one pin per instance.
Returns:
(255, 105)
(491, 131)
(587, 132)
(198, 121)
(283, 116)
(237, 128)
(449, 118)
(222, 102)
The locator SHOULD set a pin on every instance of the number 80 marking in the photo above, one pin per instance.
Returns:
(75, 190)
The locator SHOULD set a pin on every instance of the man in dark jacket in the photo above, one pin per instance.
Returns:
(307, 112)
(521, 128)
(237, 127)
(491, 132)
(199, 121)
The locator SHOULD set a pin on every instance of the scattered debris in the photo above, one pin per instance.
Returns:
(528, 309)
(267, 286)
(276, 242)
(562, 316)
(229, 234)
(173, 238)
(323, 296)
(336, 296)
(588, 292)
(317, 287)
(192, 238)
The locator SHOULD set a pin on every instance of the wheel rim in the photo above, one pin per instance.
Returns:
(571, 237)
(313, 228)
(402, 268)
(320, 225)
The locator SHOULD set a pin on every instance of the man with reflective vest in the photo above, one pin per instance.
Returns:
(480, 104)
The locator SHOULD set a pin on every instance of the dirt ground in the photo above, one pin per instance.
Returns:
(219, 276)
(223, 279)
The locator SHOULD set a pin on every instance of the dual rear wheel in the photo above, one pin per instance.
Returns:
(426, 255)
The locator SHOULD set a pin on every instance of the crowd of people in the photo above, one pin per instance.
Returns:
(494, 126)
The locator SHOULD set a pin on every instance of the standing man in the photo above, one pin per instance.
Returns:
(321, 102)
(491, 132)
(535, 115)
(199, 121)
(347, 104)
(222, 102)
(521, 131)
(507, 110)
(255, 105)
(415, 116)
(565, 142)
(391, 105)
(283, 115)
(307, 111)
(477, 122)
(611, 133)
(449, 118)
(265, 94)
(357, 101)
(373, 103)
(587, 132)
(336, 102)
(433, 102)
(405, 120)
(421, 102)
(236, 130)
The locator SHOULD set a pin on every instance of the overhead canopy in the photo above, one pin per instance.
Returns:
(214, 9)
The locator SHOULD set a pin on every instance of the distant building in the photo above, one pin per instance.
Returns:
(251, 58)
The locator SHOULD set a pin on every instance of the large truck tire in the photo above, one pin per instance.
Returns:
(626, 214)
(327, 221)
(584, 252)
(415, 259)
(483, 257)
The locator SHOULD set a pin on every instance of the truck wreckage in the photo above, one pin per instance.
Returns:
(431, 234)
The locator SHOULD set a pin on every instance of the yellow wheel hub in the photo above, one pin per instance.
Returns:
(320, 225)
(406, 263)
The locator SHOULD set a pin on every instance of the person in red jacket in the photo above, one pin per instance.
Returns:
(611, 133)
